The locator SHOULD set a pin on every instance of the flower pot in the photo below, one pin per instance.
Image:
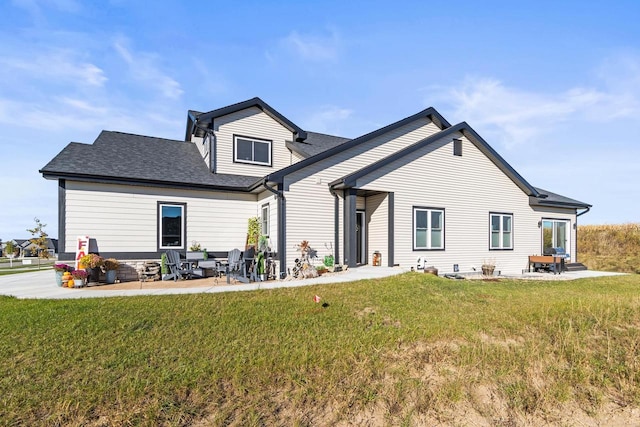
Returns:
(59, 277)
(110, 276)
(94, 275)
(488, 270)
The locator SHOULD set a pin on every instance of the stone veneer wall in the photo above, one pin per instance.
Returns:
(128, 269)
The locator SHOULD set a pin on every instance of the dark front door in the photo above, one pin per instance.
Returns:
(360, 238)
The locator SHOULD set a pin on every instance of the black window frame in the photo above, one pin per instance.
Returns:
(252, 139)
(183, 225)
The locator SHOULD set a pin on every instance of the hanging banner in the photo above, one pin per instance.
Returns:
(82, 248)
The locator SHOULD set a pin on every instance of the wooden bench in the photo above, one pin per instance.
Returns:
(552, 262)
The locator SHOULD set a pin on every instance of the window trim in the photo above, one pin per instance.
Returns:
(269, 142)
(568, 230)
(501, 215)
(160, 204)
(429, 229)
(267, 221)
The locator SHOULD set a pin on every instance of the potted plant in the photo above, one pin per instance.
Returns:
(110, 267)
(79, 279)
(488, 266)
(60, 269)
(92, 263)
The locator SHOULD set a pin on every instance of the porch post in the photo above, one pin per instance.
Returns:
(390, 230)
(62, 218)
(282, 231)
(350, 244)
(336, 227)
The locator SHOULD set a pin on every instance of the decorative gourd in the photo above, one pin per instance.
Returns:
(70, 283)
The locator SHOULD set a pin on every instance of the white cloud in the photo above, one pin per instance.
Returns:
(143, 68)
(55, 66)
(328, 119)
(311, 47)
(515, 116)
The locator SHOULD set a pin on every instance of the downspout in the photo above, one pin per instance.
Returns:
(587, 209)
(282, 247)
(336, 226)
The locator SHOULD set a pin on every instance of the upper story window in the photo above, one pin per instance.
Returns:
(501, 231)
(252, 150)
(428, 228)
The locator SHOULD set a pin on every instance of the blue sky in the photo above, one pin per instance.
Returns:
(554, 87)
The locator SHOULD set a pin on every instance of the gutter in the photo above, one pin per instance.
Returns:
(282, 228)
(587, 209)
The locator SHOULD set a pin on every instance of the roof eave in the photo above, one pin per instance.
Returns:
(429, 113)
(143, 182)
(301, 135)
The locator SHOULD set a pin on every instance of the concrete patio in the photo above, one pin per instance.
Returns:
(42, 285)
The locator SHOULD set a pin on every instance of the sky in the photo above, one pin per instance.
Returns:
(554, 87)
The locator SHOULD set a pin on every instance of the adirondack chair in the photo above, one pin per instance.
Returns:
(233, 267)
(177, 268)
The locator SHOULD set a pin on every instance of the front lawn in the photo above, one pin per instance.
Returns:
(411, 349)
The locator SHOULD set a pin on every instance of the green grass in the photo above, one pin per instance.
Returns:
(408, 346)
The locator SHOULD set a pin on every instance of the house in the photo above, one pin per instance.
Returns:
(417, 188)
(25, 248)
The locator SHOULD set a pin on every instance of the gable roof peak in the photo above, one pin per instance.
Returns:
(205, 120)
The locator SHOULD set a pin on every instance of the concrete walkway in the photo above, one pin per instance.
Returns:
(42, 284)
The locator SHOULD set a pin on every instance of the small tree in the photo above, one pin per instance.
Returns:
(10, 249)
(39, 239)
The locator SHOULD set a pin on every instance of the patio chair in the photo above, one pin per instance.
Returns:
(177, 268)
(248, 264)
(233, 266)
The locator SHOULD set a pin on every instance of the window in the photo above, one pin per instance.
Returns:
(501, 231)
(171, 225)
(457, 147)
(428, 228)
(555, 234)
(252, 150)
(265, 219)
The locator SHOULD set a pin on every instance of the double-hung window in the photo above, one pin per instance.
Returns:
(265, 219)
(171, 225)
(501, 231)
(252, 150)
(428, 228)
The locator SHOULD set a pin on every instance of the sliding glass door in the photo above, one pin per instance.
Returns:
(555, 234)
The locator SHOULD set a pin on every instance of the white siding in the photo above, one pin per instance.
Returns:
(251, 122)
(378, 225)
(264, 198)
(468, 188)
(124, 218)
(310, 205)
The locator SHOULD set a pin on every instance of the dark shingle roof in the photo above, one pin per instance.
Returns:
(118, 156)
(316, 143)
(549, 198)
